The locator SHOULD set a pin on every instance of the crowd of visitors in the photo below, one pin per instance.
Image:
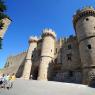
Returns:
(7, 80)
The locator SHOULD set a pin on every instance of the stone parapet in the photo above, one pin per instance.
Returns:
(88, 11)
(33, 39)
(48, 32)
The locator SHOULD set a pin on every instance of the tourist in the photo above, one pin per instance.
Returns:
(2, 79)
(12, 79)
(8, 83)
(31, 77)
(5, 81)
(1, 82)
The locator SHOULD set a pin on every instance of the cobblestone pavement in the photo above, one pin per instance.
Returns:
(33, 87)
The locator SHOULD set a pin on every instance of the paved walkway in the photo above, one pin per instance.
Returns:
(33, 87)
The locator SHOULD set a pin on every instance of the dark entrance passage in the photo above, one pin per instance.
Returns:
(92, 83)
(35, 73)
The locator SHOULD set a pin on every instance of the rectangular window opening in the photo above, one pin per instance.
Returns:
(70, 73)
(69, 56)
(69, 47)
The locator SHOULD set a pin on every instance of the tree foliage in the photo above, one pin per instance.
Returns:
(2, 6)
(2, 10)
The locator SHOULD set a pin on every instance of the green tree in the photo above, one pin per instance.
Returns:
(2, 10)
(2, 6)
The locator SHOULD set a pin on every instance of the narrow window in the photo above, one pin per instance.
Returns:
(69, 56)
(56, 50)
(87, 19)
(56, 60)
(89, 46)
(94, 27)
(69, 47)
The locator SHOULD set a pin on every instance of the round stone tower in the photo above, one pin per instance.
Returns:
(84, 25)
(47, 53)
(28, 61)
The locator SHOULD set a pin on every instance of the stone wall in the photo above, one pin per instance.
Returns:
(70, 54)
(15, 64)
(71, 63)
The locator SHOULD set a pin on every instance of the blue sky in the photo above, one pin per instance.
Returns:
(30, 17)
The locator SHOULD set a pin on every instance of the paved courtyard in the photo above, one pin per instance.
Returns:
(33, 87)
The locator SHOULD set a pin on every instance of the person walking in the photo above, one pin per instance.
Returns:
(1, 82)
(12, 79)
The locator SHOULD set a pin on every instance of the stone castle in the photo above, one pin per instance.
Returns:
(67, 60)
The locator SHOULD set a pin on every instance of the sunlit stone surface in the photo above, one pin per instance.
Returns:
(33, 87)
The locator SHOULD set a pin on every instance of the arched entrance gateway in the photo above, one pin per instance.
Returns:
(92, 83)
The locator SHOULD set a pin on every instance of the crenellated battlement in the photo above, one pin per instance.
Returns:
(71, 39)
(87, 11)
(33, 39)
(48, 32)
